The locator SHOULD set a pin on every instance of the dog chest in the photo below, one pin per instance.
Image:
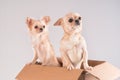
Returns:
(74, 46)
(41, 49)
(74, 39)
(75, 55)
(70, 42)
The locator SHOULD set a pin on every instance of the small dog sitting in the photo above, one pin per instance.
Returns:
(43, 49)
(73, 46)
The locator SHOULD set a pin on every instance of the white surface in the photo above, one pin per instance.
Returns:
(101, 29)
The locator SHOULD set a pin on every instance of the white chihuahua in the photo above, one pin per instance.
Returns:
(73, 46)
(43, 49)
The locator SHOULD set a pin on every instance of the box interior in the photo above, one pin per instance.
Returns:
(94, 63)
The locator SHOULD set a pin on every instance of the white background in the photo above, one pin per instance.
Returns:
(101, 29)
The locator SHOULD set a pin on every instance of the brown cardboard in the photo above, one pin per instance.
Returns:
(37, 72)
(105, 71)
(102, 70)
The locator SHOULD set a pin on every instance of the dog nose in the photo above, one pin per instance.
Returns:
(41, 29)
(77, 22)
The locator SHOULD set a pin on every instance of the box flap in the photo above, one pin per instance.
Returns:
(105, 71)
(38, 72)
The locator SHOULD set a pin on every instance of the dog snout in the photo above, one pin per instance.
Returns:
(41, 29)
(77, 22)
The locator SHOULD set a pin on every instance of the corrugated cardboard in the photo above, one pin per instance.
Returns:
(102, 70)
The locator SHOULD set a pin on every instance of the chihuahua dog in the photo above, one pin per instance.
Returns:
(43, 49)
(73, 46)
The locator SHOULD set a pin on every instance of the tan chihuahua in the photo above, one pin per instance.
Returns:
(73, 46)
(43, 49)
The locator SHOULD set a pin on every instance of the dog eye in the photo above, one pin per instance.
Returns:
(79, 18)
(70, 20)
(44, 26)
(36, 27)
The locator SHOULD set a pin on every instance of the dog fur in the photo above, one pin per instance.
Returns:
(73, 46)
(43, 49)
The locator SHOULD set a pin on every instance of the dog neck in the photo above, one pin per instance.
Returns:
(38, 39)
(72, 33)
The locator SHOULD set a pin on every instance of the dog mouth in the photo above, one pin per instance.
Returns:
(76, 26)
(73, 28)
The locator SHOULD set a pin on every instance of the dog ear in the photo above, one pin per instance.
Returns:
(29, 21)
(46, 19)
(58, 22)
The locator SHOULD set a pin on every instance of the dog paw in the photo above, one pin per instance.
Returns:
(70, 67)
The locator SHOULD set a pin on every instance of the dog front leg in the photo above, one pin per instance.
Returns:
(78, 66)
(80, 55)
(34, 58)
(85, 60)
(65, 60)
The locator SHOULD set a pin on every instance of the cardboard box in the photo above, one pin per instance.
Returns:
(102, 70)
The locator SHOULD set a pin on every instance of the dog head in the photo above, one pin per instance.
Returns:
(38, 27)
(71, 22)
